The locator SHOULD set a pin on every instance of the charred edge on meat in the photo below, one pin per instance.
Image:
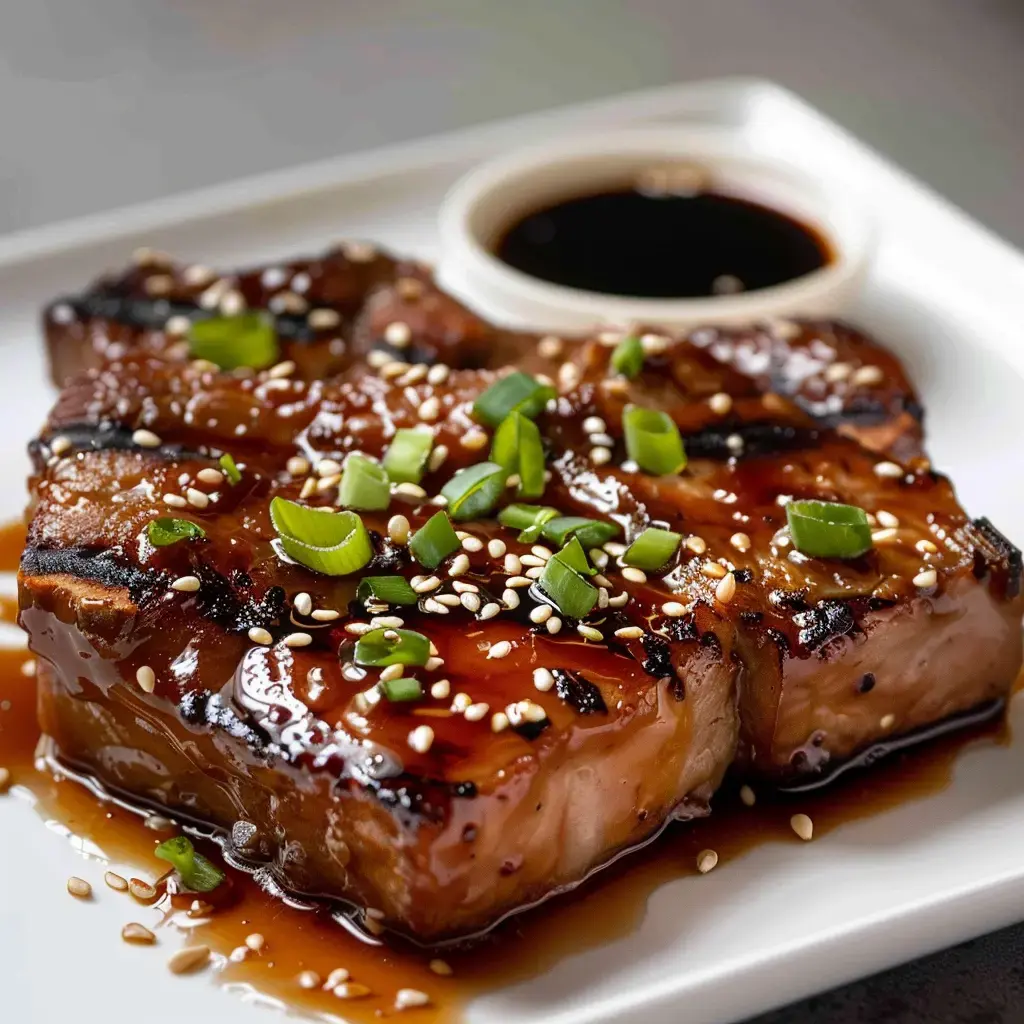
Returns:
(153, 314)
(828, 621)
(658, 662)
(863, 410)
(719, 442)
(95, 565)
(97, 437)
(1006, 550)
(579, 692)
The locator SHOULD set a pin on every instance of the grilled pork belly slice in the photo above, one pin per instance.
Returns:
(356, 303)
(432, 811)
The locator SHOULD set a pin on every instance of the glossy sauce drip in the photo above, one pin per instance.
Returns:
(662, 245)
(600, 911)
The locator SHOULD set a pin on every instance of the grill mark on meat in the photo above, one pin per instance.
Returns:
(105, 436)
(99, 566)
(1006, 550)
(828, 621)
(151, 314)
(579, 692)
(719, 442)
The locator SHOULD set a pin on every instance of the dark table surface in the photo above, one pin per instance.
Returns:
(936, 84)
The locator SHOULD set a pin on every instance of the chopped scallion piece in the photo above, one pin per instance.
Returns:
(628, 357)
(518, 392)
(407, 455)
(434, 541)
(231, 470)
(653, 548)
(827, 529)
(592, 533)
(196, 872)
(398, 690)
(382, 647)
(164, 531)
(475, 491)
(386, 589)
(562, 582)
(652, 440)
(576, 558)
(522, 517)
(232, 341)
(334, 543)
(517, 448)
(364, 484)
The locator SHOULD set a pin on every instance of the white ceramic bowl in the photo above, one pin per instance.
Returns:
(491, 198)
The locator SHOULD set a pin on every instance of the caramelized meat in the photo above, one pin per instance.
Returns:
(215, 677)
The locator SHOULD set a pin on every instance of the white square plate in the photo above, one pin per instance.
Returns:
(782, 921)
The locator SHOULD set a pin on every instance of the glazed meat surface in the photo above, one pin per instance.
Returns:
(215, 677)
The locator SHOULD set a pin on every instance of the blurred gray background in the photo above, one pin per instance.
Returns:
(107, 102)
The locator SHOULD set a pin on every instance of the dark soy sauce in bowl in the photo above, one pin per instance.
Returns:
(662, 245)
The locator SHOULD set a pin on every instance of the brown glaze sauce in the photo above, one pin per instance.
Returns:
(598, 912)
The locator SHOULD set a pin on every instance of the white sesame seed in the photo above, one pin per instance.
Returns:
(748, 796)
(412, 376)
(496, 548)
(887, 519)
(430, 409)
(550, 347)
(473, 544)
(594, 425)
(441, 689)
(211, 476)
(352, 989)
(695, 544)
(324, 614)
(146, 678)
(297, 466)
(926, 579)
(802, 825)
(461, 701)
(534, 572)
(836, 372)
(450, 600)
(186, 584)
(391, 672)
(881, 536)
(866, 376)
(887, 721)
(409, 492)
(175, 501)
(713, 570)
(634, 575)
(532, 561)
(629, 633)
(459, 566)
(308, 979)
(281, 370)
(473, 439)
(489, 610)
(470, 601)
(720, 403)
(197, 498)
(146, 439)
(589, 633)
(516, 582)
(437, 458)
(540, 614)
(323, 319)
(407, 998)
(302, 603)
(421, 738)
(390, 622)
(398, 334)
(259, 635)
(512, 564)
(553, 625)
(298, 640)
(888, 470)
(673, 609)
(926, 547)
(426, 585)
(543, 680)
(600, 455)
(461, 587)
(232, 302)
(740, 541)
(79, 887)
(59, 445)
(726, 589)
(476, 712)
(502, 649)
(619, 600)
(707, 860)
(437, 374)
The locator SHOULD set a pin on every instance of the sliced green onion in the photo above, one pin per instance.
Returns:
(653, 548)
(474, 492)
(364, 484)
(518, 392)
(576, 558)
(387, 590)
(652, 440)
(561, 581)
(517, 448)
(334, 543)
(231, 470)
(523, 517)
(407, 455)
(164, 531)
(628, 357)
(196, 872)
(827, 529)
(232, 341)
(434, 541)
(398, 690)
(592, 533)
(382, 647)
